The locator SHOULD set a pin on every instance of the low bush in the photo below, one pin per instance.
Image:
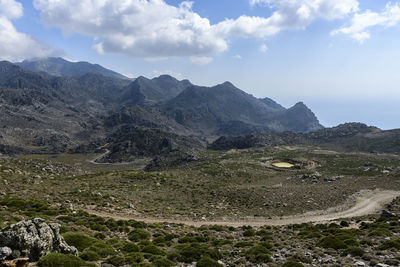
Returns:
(395, 244)
(258, 254)
(353, 252)
(243, 244)
(162, 262)
(151, 249)
(332, 242)
(80, 241)
(116, 261)
(62, 260)
(138, 234)
(90, 256)
(380, 232)
(102, 249)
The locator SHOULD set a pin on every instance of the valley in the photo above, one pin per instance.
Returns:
(161, 172)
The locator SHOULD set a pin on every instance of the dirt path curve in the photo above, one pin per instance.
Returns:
(94, 161)
(369, 202)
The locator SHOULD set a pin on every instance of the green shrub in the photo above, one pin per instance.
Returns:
(249, 232)
(90, 256)
(134, 258)
(129, 247)
(136, 224)
(309, 234)
(353, 252)
(351, 242)
(344, 224)
(151, 249)
(208, 262)
(80, 241)
(116, 260)
(331, 242)
(217, 228)
(64, 229)
(258, 254)
(243, 244)
(395, 243)
(138, 234)
(221, 242)
(162, 262)
(292, 264)
(62, 260)
(102, 249)
(189, 253)
(187, 239)
(380, 232)
(100, 236)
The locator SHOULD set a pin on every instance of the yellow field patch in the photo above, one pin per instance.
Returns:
(283, 165)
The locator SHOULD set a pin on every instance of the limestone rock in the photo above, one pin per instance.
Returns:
(5, 252)
(35, 238)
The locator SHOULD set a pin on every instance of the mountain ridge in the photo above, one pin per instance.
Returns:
(57, 66)
(51, 114)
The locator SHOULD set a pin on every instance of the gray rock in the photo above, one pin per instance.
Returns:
(5, 252)
(388, 214)
(35, 238)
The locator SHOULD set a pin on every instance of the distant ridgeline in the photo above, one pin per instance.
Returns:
(53, 105)
(345, 137)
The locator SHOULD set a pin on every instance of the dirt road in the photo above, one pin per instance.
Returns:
(366, 202)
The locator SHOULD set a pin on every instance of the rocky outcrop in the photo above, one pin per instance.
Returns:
(33, 239)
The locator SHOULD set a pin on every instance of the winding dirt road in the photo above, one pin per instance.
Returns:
(367, 202)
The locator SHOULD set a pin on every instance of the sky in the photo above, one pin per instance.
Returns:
(340, 57)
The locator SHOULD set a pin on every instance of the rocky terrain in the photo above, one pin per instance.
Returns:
(92, 217)
(346, 137)
(54, 106)
(100, 170)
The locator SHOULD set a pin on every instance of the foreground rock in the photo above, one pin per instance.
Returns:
(34, 239)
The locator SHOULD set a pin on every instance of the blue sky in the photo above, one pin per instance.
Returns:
(340, 57)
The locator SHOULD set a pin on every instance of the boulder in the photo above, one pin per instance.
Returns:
(35, 238)
(5, 252)
(388, 214)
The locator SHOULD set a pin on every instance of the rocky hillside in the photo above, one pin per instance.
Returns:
(57, 66)
(52, 105)
(225, 109)
(345, 137)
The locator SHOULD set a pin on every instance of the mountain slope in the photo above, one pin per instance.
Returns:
(150, 92)
(45, 113)
(57, 66)
(225, 109)
(345, 137)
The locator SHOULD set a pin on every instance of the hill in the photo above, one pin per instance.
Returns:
(57, 66)
(345, 137)
(60, 106)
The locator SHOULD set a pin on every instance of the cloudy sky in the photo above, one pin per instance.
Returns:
(340, 57)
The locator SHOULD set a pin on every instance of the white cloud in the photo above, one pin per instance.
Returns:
(237, 56)
(10, 9)
(263, 48)
(201, 60)
(140, 28)
(155, 29)
(288, 14)
(361, 22)
(129, 75)
(14, 45)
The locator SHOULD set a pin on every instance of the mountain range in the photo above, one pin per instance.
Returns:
(53, 105)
